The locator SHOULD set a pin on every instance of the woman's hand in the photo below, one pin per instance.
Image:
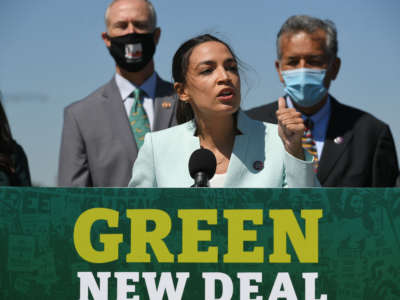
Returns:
(290, 128)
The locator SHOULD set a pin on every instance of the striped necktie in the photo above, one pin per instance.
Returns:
(138, 118)
(308, 142)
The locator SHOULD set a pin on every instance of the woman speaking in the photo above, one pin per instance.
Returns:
(248, 153)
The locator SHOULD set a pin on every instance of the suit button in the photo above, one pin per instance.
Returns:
(258, 165)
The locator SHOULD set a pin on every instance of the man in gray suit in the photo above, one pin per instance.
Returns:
(101, 136)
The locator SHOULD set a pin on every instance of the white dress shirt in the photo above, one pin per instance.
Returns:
(320, 120)
(149, 87)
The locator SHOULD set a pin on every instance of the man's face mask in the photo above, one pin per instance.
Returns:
(132, 52)
(305, 86)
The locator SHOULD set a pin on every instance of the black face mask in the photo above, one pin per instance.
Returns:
(132, 52)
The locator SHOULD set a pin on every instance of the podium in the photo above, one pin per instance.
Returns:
(102, 243)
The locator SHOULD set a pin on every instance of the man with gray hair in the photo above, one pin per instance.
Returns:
(103, 132)
(350, 147)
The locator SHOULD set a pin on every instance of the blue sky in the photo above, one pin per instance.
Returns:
(52, 54)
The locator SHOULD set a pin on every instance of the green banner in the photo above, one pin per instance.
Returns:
(199, 244)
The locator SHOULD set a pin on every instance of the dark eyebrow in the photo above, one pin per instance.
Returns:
(119, 23)
(206, 62)
(229, 60)
(213, 63)
(142, 23)
(316, 56)
(308, 56)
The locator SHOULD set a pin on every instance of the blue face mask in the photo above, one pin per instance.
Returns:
(305, 86)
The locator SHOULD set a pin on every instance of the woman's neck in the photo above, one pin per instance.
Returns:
(218, 135)
(217, 132)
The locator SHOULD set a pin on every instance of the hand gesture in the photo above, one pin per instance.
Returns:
(290, 128)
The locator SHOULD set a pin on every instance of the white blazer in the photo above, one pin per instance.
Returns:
(163, 159)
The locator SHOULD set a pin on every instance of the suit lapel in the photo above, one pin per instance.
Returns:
(114, 109)
(237, 163)
(337, 139)
(164, 105)
(191, 143)
(237, 166)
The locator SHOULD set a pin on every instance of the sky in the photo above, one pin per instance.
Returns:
(52, 54)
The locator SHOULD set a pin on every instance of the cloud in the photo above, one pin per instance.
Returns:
(24, 96)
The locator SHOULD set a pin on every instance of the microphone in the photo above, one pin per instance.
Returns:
(202, 166)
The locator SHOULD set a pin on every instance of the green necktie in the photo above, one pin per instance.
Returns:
(138, 118)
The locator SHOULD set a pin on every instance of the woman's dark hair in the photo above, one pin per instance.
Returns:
(180, 66)
(7, 144)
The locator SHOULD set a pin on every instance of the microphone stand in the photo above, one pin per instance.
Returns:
(200, 180)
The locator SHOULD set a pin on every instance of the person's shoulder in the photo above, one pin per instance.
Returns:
(253, 126)
(358, 117)
(264, 112)
(85, 103)
(273, 106)
(19, 151)
(164, 88)
(178, 131)
(22, 174)
(164, 83)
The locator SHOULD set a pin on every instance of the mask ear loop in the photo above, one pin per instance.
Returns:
(328, 68)
(330, 64)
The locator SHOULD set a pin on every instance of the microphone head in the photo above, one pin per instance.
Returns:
(202, 160)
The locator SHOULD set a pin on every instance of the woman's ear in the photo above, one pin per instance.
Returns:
(180, 90)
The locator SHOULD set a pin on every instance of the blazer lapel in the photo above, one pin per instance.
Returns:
(337, 139)
(189, 143)
(114, 108)
(164, 105)
(237, 163)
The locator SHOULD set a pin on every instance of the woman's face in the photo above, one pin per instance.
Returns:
(212, 81)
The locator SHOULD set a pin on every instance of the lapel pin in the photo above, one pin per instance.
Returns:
(339, 140)
(166, 104)
(258, 165)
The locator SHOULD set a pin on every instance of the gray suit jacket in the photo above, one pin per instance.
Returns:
(97, 145)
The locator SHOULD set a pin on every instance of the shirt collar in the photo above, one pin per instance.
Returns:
(323, 113)
(126, 87)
